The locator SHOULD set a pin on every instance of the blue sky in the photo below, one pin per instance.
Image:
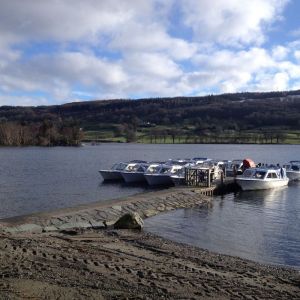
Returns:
(60, 51)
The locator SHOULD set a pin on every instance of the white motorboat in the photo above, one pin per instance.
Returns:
(114, 173)
(178, 177)
(262, 178)
(134, 171)
(160, 174)
(235, 166)
(293, 170)
(200, 160)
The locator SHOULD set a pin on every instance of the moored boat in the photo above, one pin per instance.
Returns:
(293, 170)
(161, 174)
(234, 168)
(114, 173)
(134, 172)
(262, 178)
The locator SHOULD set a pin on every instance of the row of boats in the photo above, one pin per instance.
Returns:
(248, 175)
(159, 173)
(263, 176)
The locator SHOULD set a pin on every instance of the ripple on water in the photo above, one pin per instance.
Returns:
(260, 225)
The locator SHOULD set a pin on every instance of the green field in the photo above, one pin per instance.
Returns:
(186, 135)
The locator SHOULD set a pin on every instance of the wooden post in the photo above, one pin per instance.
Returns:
(234, 171)
(208, 178)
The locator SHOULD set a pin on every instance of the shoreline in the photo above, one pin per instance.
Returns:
(67, 253)
(92, 215)
(123, 264)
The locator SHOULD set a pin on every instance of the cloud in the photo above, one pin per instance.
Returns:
(231, 22)
(56, 74)
(297, 55)
(280, 52)
(152, 64)
(272, 82)
(59, 51)
(152, 37)
(63, 21)
(256, 69)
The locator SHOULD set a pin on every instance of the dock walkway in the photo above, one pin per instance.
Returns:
(93, 215)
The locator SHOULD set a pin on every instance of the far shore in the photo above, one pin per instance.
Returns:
(69, 254)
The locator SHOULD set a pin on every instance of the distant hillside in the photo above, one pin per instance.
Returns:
(265, 117)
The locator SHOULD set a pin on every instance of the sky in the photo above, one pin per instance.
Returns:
(59, 51)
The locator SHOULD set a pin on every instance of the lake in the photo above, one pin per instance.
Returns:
(262, 226)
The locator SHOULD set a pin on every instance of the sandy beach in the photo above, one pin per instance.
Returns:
(98, 263)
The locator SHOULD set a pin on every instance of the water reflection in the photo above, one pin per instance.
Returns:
(259, 225)
(261, 197)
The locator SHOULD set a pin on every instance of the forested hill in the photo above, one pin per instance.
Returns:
(200, 119)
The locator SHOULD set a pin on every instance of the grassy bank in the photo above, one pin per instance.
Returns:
(187, 135)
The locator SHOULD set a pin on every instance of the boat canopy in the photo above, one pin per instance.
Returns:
(248, 163)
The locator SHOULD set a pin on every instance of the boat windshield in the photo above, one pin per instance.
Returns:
(248, 173)
(153, 169)
(164, 170)
(131, 167)
(137, 168)
(295, 168)
(272, 175)
(236, 165)
(259, 174)
(175, 170)
(119, 166)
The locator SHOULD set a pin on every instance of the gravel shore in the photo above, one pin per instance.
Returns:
(68, 254)
(122, 264)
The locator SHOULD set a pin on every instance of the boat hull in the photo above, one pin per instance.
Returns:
(293, 175)
(178, 180)
(131, 177)
(158, 179)
(109, 175)
(255, 184)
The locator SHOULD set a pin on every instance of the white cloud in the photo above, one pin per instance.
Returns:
(152, 64)
(272, 82)
(58, 74)
(114, 48)
(67, 20)
(233, 71)
(280, 52)
(256, 69)
(227, 61)
(231, 22)
(297, 55)
(152, 37)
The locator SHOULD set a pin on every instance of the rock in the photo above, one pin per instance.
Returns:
(150, 212)
(130, 221)
(117, 207)
(71, 225)
(32, 228)
(49, 228)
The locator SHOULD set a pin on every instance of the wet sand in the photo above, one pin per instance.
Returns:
(98, 263)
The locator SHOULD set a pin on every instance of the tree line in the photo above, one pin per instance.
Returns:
(46, 133)
(206, 118)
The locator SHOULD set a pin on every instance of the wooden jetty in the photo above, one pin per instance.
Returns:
(203, 178)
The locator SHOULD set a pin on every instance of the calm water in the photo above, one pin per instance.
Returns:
(263, 226)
